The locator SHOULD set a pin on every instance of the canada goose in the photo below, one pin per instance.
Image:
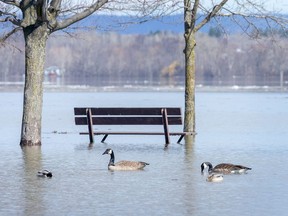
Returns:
(224, 168)
(44, 173)
(123, 165)
(215, 177)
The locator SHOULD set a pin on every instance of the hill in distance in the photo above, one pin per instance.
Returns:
(172, 23)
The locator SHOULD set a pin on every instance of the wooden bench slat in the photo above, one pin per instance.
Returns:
(127, 111)
(128, 120)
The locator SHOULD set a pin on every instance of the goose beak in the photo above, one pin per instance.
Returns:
(106, 151)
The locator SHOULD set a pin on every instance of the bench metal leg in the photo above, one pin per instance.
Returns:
(90, 125)
(165, 125)
(104, 138)
(180, 138)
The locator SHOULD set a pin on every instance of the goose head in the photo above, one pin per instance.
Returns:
(108, 151)
(112, 157)
(204, 165)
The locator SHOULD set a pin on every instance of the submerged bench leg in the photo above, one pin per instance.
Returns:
(180, 138)
(165, 125)
(90, 125)
(104, 138)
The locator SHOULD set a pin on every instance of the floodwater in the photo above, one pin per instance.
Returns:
(242, 128)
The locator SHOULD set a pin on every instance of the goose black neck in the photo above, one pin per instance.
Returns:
(210, 167)
(112, 158)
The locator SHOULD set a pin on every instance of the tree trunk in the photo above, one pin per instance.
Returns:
(189, 117)
(35, 44)
(189, 52)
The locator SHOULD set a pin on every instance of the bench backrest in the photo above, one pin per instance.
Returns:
(128, 116)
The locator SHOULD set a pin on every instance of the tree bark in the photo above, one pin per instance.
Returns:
(189, 117)
(35, 44)
(189, 52)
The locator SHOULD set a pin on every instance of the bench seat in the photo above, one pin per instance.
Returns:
(130, 116)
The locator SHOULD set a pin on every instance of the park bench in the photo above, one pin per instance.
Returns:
(129, 116)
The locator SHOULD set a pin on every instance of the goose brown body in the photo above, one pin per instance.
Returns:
(224, 168)
(124, 164)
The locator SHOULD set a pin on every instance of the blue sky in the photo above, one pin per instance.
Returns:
(277, 5)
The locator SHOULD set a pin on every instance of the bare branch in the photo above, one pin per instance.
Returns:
(212, 14)
(79, 16)
(13, 20)
(11, 2)
(195, 8)
(8, 15)
(247, 23)
(6, 36)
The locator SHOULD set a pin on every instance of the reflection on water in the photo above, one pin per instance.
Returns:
(32, 189)
(244, 128)
(189, 146)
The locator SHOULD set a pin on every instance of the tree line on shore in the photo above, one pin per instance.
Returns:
(156, 57)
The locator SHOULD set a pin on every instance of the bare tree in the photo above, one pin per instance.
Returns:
(197, 15)
(38, 19)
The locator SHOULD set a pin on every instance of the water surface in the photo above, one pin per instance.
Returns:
(243, 128)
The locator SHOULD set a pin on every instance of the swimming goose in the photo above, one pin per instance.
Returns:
(224, 168)
(215, 177)
(44, 173)
(123, 165)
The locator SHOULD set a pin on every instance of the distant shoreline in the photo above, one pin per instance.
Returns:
(17, 87)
